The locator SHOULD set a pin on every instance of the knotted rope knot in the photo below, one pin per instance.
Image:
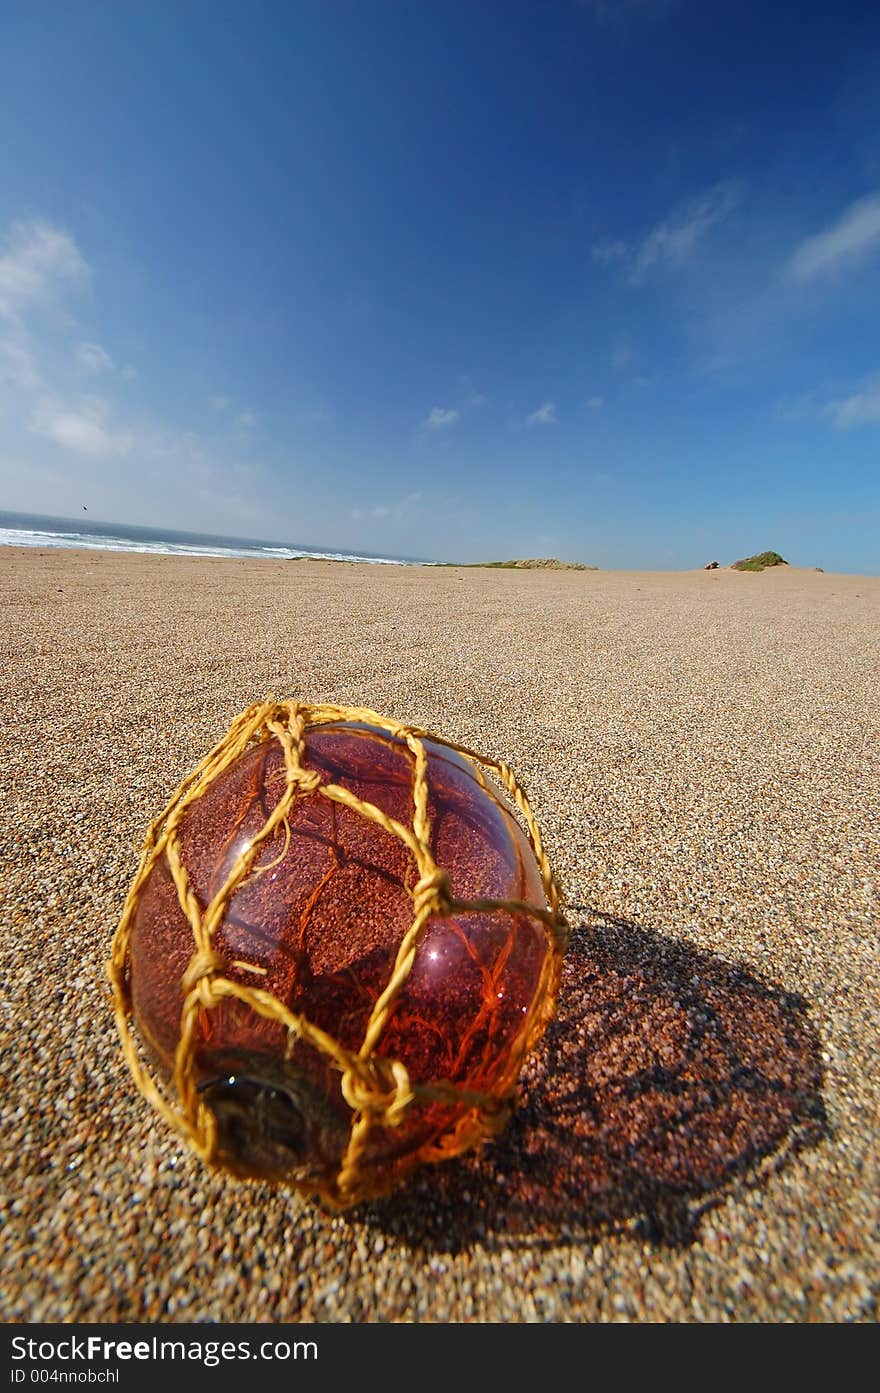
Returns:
(308, 780)
(203, 965)
(379, 1086)
(433, 893)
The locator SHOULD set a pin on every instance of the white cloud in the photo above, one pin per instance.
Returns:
(59, 441)
(246, 419)
(544, 416)
(38, 262)
(438, 418)
(596, 403)
(672, 242)
(853, 237)
(83, 428)
(18, 368)
(218, 403)
(92, 358)
(604, 253)
(860, 409)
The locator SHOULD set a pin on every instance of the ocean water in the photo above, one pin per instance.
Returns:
(34, 530)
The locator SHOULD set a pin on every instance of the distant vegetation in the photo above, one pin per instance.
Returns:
(542, 563)
(760, 562)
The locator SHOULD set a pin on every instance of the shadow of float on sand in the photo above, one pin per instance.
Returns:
(668, 1077)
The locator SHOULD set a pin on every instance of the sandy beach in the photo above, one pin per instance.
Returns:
(697, 1135)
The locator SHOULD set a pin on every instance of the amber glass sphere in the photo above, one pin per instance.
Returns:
(318, 922)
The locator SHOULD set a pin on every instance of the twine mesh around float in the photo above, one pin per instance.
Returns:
(378, 1089)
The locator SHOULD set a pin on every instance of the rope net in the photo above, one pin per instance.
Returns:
(377, 1087)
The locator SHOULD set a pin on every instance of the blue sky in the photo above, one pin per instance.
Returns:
(455, 280)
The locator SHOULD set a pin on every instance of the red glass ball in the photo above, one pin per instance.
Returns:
(318, 923)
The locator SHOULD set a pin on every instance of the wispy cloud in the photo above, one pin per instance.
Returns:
(244, 419)
(621, 353)
(544, 416)
(83, 428)
(862, 408)
(596, 403)
(850, 240)
(382, 512)
(606, 253)
(438, 417)
(57, 440)
(674, 240)
(18, 367)
(37, 263)
(173, 447)
(92, 358)
(376, 513)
